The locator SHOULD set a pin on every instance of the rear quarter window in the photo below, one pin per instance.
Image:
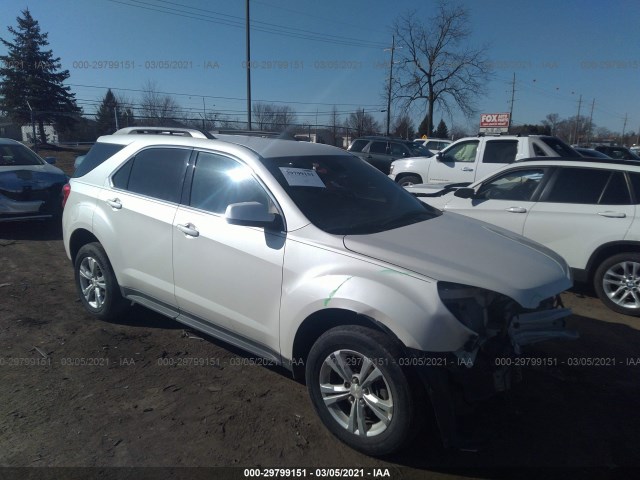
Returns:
(500, 151)
(96, 156)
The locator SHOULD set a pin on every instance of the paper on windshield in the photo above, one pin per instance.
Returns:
(302, 177)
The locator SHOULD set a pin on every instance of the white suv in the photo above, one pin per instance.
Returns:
(304, 255)
(585, 210)
(471, 158)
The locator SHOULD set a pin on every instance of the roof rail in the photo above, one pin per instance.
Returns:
(177, 131)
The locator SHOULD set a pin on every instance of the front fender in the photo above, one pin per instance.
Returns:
(407, 305)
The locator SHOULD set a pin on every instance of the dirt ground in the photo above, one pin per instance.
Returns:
(146, 392)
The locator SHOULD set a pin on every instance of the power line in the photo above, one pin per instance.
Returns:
(274, 30)
(225, 98)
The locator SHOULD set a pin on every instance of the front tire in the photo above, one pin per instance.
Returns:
(359, 390)
(408, 180)
(617, 283)
(96, 283)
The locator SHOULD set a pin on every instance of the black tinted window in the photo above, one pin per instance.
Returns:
(98, 154)
(159, 173)
(378, 147)
(121, 178)
(220, 181)
(635, 185)
(579, 185)
(358, 145)
(500, 151)
(616, 191)
(538, 151)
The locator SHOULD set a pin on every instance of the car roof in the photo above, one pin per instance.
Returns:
(265, 147)
(386, 139)
(580, 161)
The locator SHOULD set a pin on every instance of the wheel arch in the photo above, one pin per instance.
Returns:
(402, 175)
(607, 250)
(321, 321)
(78, 239)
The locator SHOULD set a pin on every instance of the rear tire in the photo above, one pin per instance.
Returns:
(617, 283)
(359, 390)
(96, 283)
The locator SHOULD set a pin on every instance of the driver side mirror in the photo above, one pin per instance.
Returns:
(465, 192)
(50, 160)
(439, 156)
(249, 214)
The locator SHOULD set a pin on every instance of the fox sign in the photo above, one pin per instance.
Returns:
(494, 122)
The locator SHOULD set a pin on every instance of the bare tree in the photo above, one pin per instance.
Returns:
(362, 123)
(157, 108)
(271, 117)
(435, 66)
(551, 121)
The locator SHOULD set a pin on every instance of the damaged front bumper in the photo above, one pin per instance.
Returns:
(490, 362)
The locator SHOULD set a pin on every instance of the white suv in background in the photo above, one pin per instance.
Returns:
(585, 210)
(434, 145)
(471, 158)
(304, 255)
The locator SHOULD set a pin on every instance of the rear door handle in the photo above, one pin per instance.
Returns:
(517, 210)
(114, 203)
(612, 214)
(467, 169)
(189, 229)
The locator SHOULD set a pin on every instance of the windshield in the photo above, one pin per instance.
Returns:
(18, 155)
(343, 195)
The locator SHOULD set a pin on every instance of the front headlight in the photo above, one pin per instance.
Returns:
(468, 304)
(391, 168)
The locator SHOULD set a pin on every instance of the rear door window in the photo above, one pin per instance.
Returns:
(378, 147)
(358, 145)
(589, 186)
(154, 172)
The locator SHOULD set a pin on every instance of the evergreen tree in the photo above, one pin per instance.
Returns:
(426, 127)
(107, 112)
(442, 131)
(29, 73)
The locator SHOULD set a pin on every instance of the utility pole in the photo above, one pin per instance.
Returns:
(204, 114)
(33, 126)
(577, 140)
(624, 127)
(393, 47)
(513, 93)
(593, 104)
(248, 70)
(115, 112)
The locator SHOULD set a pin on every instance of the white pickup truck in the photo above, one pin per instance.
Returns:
(472, 158)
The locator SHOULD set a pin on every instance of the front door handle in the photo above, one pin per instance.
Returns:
(188, 229)
(517, 210)
(612, 214)
(467, 169)
(114, 203)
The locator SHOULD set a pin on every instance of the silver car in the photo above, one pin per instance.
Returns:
(304, 255)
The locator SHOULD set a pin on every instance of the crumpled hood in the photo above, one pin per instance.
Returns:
(459, 249)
